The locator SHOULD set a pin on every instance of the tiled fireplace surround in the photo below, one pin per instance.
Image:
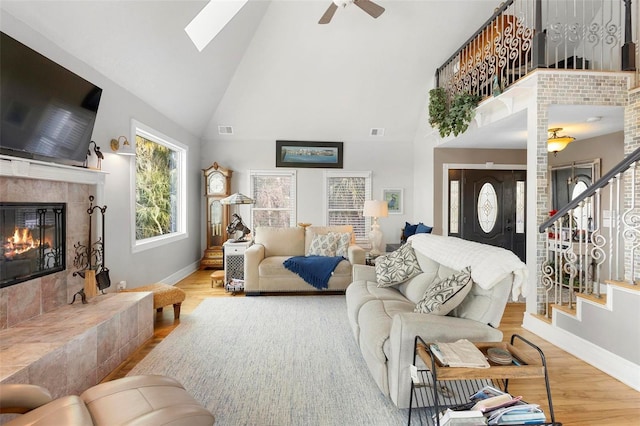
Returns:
(43, 339)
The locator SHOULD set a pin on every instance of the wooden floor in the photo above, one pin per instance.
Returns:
(582, 394)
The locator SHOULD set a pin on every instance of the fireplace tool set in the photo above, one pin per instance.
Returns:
(90, 259)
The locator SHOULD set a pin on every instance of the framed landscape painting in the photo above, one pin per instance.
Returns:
(394, 200)
(326, 155)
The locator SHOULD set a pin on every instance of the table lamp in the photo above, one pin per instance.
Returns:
(375, 209)
(236, 224)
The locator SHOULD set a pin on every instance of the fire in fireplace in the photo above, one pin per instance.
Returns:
(32, 238)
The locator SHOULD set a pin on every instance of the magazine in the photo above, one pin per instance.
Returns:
(517, 414)
(461, 353)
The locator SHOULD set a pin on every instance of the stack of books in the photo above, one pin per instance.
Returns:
(490, 406)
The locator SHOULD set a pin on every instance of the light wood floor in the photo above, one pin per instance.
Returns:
(582, 394)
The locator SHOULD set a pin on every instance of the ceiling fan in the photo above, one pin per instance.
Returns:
(367, 5)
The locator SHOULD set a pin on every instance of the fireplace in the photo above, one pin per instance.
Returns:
(32, 241)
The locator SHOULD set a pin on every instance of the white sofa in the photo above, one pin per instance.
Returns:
(384, 322)
(264, 271)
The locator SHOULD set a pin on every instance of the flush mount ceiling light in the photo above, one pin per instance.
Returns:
(557, 143)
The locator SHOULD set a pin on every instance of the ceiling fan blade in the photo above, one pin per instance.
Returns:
(326, 18)
(370, 7)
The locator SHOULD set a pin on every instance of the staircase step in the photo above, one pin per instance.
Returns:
(602, 300)
(564, 308)
(543, 318)
(624, 284)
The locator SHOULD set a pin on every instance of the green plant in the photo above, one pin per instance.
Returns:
(454, 117)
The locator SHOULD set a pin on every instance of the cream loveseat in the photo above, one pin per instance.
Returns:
(264, 271)
(383, 319)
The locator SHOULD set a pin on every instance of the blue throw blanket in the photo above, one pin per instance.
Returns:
(316, 270)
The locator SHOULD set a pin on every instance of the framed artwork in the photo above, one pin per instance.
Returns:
(326, 155)
(394, 199)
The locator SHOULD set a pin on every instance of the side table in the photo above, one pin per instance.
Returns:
(234, 264)
(426, 385)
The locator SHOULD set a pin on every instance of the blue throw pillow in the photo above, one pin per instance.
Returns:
(423, 229)
(409, 230)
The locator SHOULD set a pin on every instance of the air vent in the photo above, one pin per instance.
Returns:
(377, 131)
(225, 130)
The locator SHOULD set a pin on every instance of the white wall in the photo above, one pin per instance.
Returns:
(391, 164)
(117, 108)
(318, 83)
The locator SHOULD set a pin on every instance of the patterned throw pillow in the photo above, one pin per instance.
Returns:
(397, 267)
(323, 245)
(343, 241)
(444, 295)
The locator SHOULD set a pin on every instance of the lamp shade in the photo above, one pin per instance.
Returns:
(122, 146)
(237, 198)
(557, 143)
(375, 208)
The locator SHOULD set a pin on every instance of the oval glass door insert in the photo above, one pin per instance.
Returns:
(487, 207)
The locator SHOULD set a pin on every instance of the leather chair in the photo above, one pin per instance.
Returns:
(136, 400)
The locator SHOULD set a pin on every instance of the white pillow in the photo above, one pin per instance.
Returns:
(323, 245)
(397, 267)
(343, 240)
(444, 295)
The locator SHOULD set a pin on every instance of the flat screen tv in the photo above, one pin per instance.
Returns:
(46, 111)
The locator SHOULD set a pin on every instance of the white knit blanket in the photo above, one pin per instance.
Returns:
(489, 264)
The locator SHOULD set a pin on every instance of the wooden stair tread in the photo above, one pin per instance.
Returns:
(624, 284)
(564, 308)
(542, 318)
(602, 300)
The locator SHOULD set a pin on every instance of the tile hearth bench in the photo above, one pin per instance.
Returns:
(73, 347)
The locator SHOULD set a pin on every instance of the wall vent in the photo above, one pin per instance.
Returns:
(377, 131)
(225, 130)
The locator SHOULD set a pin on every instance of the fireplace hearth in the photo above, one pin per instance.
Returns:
(32, 241)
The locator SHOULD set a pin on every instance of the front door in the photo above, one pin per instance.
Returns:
(491, 208)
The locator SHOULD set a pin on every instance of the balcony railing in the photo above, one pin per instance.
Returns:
(523, 35)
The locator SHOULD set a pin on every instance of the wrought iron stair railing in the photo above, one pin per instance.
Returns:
(588, 243)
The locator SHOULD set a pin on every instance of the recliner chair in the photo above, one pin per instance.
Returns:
(136, 400)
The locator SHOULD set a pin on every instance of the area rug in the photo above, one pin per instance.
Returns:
(276, 360)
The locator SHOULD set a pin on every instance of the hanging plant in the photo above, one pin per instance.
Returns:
(453, 118)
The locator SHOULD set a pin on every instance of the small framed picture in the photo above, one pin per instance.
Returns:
(394, 199)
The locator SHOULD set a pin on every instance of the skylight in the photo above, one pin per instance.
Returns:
(211, 20)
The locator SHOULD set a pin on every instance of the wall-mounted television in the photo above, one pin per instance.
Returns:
(46, 111)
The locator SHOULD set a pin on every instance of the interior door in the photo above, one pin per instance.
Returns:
(492, 208)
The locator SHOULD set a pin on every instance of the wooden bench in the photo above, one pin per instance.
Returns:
(163, 295)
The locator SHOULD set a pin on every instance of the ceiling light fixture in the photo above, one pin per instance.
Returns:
(557, 143)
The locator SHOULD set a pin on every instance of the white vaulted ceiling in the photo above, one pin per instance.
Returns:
(273, 68)
(356, 69)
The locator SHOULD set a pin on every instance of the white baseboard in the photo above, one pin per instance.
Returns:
(610, 363)
(181, 274)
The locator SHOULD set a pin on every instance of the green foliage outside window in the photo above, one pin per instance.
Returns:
(155, 189)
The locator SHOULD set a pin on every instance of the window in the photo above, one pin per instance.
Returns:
(345, 195)
(160, 187)
(274, 193)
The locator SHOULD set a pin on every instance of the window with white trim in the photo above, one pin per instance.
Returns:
(159, 188)
(274, 193)
(345, 194)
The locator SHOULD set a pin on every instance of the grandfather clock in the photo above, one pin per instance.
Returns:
(217, 184)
